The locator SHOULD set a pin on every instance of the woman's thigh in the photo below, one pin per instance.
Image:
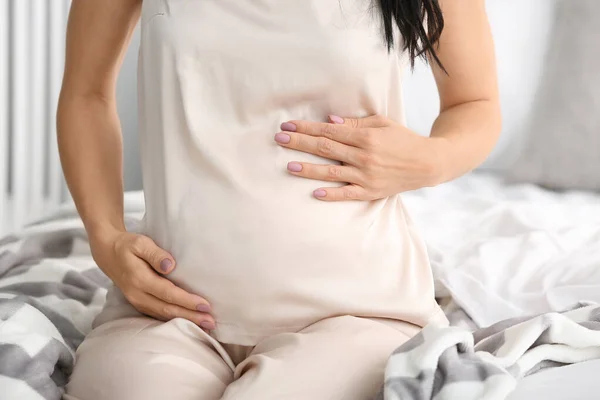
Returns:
(145, 359)
(338, 358)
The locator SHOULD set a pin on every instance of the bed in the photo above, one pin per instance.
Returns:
(498, 251)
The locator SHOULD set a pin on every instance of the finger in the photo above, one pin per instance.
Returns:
(319, 146)
(172, 294)
(330, 173)
(373, 121)
(160, 260)
(164, 311)
(339, 133)
(344, 193)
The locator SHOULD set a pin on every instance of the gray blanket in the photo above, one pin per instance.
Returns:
(448, 363)
(50, 291)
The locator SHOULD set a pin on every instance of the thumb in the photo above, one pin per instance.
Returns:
(159, 259)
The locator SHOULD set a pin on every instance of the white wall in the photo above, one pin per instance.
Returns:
(521, 31)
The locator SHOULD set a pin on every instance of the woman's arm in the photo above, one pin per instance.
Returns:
(89, 138)
(469, 122)
(89, 132)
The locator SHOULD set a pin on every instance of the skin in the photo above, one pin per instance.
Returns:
(379, 157)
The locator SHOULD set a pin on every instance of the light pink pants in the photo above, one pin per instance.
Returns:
(341, 358)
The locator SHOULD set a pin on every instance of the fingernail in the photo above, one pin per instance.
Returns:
(288, 126)
(282, 138)
(336, 120)
(294, 167)
(320, 193)
(165, 265)
(209, 326)
(203, 308)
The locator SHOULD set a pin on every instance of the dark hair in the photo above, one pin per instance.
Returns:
(420, 23)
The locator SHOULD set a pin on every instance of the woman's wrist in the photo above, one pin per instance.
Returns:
(99, 233)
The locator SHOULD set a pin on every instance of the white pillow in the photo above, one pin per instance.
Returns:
(562, 149)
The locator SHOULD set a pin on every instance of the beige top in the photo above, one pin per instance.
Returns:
(216, 79)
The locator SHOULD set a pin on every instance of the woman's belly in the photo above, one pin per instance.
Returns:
(271, 258)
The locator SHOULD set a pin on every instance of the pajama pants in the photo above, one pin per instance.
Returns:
(340, 358)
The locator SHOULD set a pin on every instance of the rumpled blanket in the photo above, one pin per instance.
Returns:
(50, 292)
(449, 363)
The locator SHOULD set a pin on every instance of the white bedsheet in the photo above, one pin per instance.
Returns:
(504, 251)
(572, 382)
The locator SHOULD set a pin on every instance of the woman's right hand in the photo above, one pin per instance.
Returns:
(136, 265)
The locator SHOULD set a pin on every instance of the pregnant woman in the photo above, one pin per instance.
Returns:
(275, 259)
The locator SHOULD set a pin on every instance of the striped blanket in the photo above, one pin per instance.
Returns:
(448, 363)
(50, 292)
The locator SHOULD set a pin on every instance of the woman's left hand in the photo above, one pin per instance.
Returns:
(379, 157)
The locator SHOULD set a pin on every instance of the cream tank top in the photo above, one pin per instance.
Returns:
(216, 80)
